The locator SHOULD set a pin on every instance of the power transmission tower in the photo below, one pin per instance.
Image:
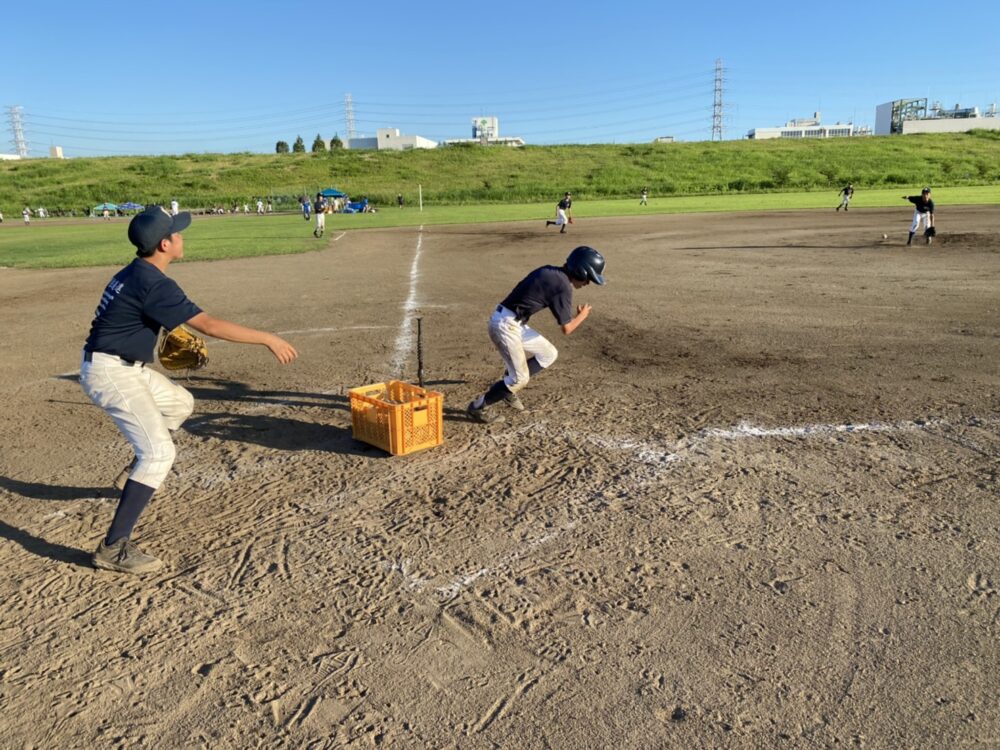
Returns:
(20, 143)
(717, 104)
(349, 115)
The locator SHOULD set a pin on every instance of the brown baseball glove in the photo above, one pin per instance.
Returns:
(182, 349)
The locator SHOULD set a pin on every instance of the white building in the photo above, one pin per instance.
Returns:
(907, 116)
(486, 132)
(806, 128)
(485, 128)
(9, 157)
(390, 139)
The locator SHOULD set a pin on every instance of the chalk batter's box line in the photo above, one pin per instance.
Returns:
(651, 454)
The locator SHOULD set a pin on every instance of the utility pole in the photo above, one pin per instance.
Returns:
(20, 143)
(717, 104)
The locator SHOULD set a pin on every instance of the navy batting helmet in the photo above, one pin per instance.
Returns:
(586, 264)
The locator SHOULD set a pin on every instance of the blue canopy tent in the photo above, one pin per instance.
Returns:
(106, 207)
(130, 206)
(332, 193)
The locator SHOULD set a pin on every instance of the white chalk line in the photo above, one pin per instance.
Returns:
(655, 454)
(747, 430)
(445, 593)
(650, 453)
(404, 340)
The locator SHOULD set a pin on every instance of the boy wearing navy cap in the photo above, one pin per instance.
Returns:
(145, 405)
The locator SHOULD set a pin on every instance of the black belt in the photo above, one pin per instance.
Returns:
(519, 318)
(88, 356)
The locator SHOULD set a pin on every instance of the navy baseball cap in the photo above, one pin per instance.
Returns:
(152, 225)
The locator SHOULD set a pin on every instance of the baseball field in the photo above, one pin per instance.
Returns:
(753, 504)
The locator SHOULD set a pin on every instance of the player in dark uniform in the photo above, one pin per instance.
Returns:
(144, 404)
(564, 213)
(320, 206)
(524, 350)
(923, 213)
(846, 193)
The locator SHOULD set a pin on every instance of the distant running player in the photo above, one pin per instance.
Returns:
(564, 213)
(847, 192)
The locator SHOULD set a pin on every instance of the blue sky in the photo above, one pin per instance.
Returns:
(224, 77)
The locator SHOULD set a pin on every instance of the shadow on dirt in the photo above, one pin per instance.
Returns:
(217, 389)
(40, 491)
(278, 433)
(38, 546)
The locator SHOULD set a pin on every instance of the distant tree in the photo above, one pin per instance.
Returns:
(299, 147)
(318, 144)
(335, 142)
(281, 147)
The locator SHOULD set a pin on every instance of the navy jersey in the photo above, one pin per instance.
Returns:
(136, 303)
(922, 208)
(565, 203)
(548, 286)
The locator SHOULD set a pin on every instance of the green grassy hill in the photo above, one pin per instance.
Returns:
(475, 175)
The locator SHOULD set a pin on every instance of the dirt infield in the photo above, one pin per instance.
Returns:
(754, 503)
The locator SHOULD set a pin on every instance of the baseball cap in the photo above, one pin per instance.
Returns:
(152, 225)
(925, 190)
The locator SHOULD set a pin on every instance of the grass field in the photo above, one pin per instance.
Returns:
(475, 175)
(58, 244)
(753, 504)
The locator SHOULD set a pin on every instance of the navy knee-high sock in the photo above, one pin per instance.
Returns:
(135, 497)
(496, 393)
(499, 389)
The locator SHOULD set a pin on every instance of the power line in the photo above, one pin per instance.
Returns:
(639, 109)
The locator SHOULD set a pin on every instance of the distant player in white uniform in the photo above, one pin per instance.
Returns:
(175, 207)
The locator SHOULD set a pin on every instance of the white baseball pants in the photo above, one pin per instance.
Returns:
(560, 217)
(145, 405)
(517, 343)
(918, 219)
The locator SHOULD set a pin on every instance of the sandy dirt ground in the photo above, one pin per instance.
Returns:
(754, 503)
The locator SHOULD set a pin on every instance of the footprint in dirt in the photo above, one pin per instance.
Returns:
(980, 585)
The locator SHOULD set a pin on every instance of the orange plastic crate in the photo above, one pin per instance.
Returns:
(397, 417)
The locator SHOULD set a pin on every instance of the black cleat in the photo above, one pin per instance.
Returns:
(124, 557)
(481, 415)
